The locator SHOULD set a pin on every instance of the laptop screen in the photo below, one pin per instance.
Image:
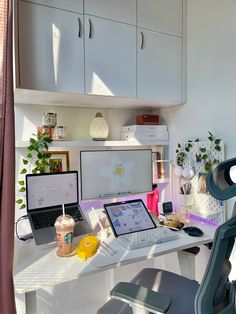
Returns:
(51, 189)
(127, 217)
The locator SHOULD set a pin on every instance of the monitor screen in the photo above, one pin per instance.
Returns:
(115, 173)
(51, 189)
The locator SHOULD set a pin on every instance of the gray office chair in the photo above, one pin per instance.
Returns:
(160, 291)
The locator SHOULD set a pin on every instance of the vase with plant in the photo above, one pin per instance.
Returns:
(36, 161)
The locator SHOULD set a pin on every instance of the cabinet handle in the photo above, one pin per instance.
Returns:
(142, 40)
(90, 28)
(79, 24)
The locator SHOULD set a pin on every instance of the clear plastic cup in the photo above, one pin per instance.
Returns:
(65, 231)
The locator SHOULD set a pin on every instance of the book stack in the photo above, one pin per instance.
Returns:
(144, 132)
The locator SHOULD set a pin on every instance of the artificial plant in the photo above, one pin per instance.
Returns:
(208, 163)
(36, 161)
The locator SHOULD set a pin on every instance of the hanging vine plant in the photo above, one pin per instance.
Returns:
(208, 163)
(181, 152)
(36, 161)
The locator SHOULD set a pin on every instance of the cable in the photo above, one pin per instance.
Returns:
(27, 236)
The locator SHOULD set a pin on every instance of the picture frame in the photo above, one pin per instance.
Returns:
(58, 161)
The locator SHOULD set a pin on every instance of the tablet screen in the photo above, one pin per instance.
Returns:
(128, 217)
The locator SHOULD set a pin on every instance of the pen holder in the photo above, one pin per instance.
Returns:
(186, 199)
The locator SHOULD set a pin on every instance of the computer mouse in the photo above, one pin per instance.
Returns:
(193, 231)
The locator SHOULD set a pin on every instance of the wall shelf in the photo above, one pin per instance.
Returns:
(57, 99)
(90, 143)
(201, 213)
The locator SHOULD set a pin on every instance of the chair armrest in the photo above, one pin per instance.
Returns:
(141, 296)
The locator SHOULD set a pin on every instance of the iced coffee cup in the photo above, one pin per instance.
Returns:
(64, 231)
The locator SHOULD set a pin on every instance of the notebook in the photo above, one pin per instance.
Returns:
(45, 194)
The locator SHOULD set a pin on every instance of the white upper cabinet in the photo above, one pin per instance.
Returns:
(163, 16)
(110, 57)
(51, 55)
(125, 48)
(70, 5)
(159, 66)
(122, 10)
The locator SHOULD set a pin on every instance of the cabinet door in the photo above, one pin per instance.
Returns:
(51, 55)
(121, 11)
(110, 62)
(161, 15)
(159, 66)
(71, 5)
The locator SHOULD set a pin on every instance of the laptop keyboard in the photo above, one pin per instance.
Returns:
(145, 238)
(48, 218)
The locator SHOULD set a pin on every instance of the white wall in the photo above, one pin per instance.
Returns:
(211, 77)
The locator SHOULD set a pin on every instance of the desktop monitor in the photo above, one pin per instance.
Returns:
(115, 173)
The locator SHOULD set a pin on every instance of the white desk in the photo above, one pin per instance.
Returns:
(43, 268)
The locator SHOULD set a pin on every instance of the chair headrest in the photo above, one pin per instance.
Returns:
(221, 181)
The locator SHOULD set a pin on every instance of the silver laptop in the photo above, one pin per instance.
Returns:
(45, 194)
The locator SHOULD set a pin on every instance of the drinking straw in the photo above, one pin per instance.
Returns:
(63, 210)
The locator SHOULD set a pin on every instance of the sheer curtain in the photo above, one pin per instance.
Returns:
(7, 160)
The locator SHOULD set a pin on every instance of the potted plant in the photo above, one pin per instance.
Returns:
(36, 161)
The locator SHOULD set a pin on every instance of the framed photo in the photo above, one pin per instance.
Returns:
(59, 161)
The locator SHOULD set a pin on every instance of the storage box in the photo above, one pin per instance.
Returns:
(144, 128)
(186, 199)
(145, 136)
(147, 119)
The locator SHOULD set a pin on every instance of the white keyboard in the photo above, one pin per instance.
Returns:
(137, 240)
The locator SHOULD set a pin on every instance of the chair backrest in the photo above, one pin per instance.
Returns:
(216, 294)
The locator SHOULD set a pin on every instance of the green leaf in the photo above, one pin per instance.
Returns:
(40, 155)
(187, 149)
(190, 141)
(32, 140)
(34, 171)
(25, 162)
(20, 201)
(179, 146)
(49, 140)
(46, 146)
(202, 149)
(177, 151)
(23, 171)
(23, 189)
(190, 145)
(204, 157)
(23, 206)
(197, 140)
(208, 167)
(217, 141)
(30, 148)
(218, 148)
(21, 182)
(29, 155)
(211, 138)
(210, 134)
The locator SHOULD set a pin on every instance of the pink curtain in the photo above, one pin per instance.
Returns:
(7, 161)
